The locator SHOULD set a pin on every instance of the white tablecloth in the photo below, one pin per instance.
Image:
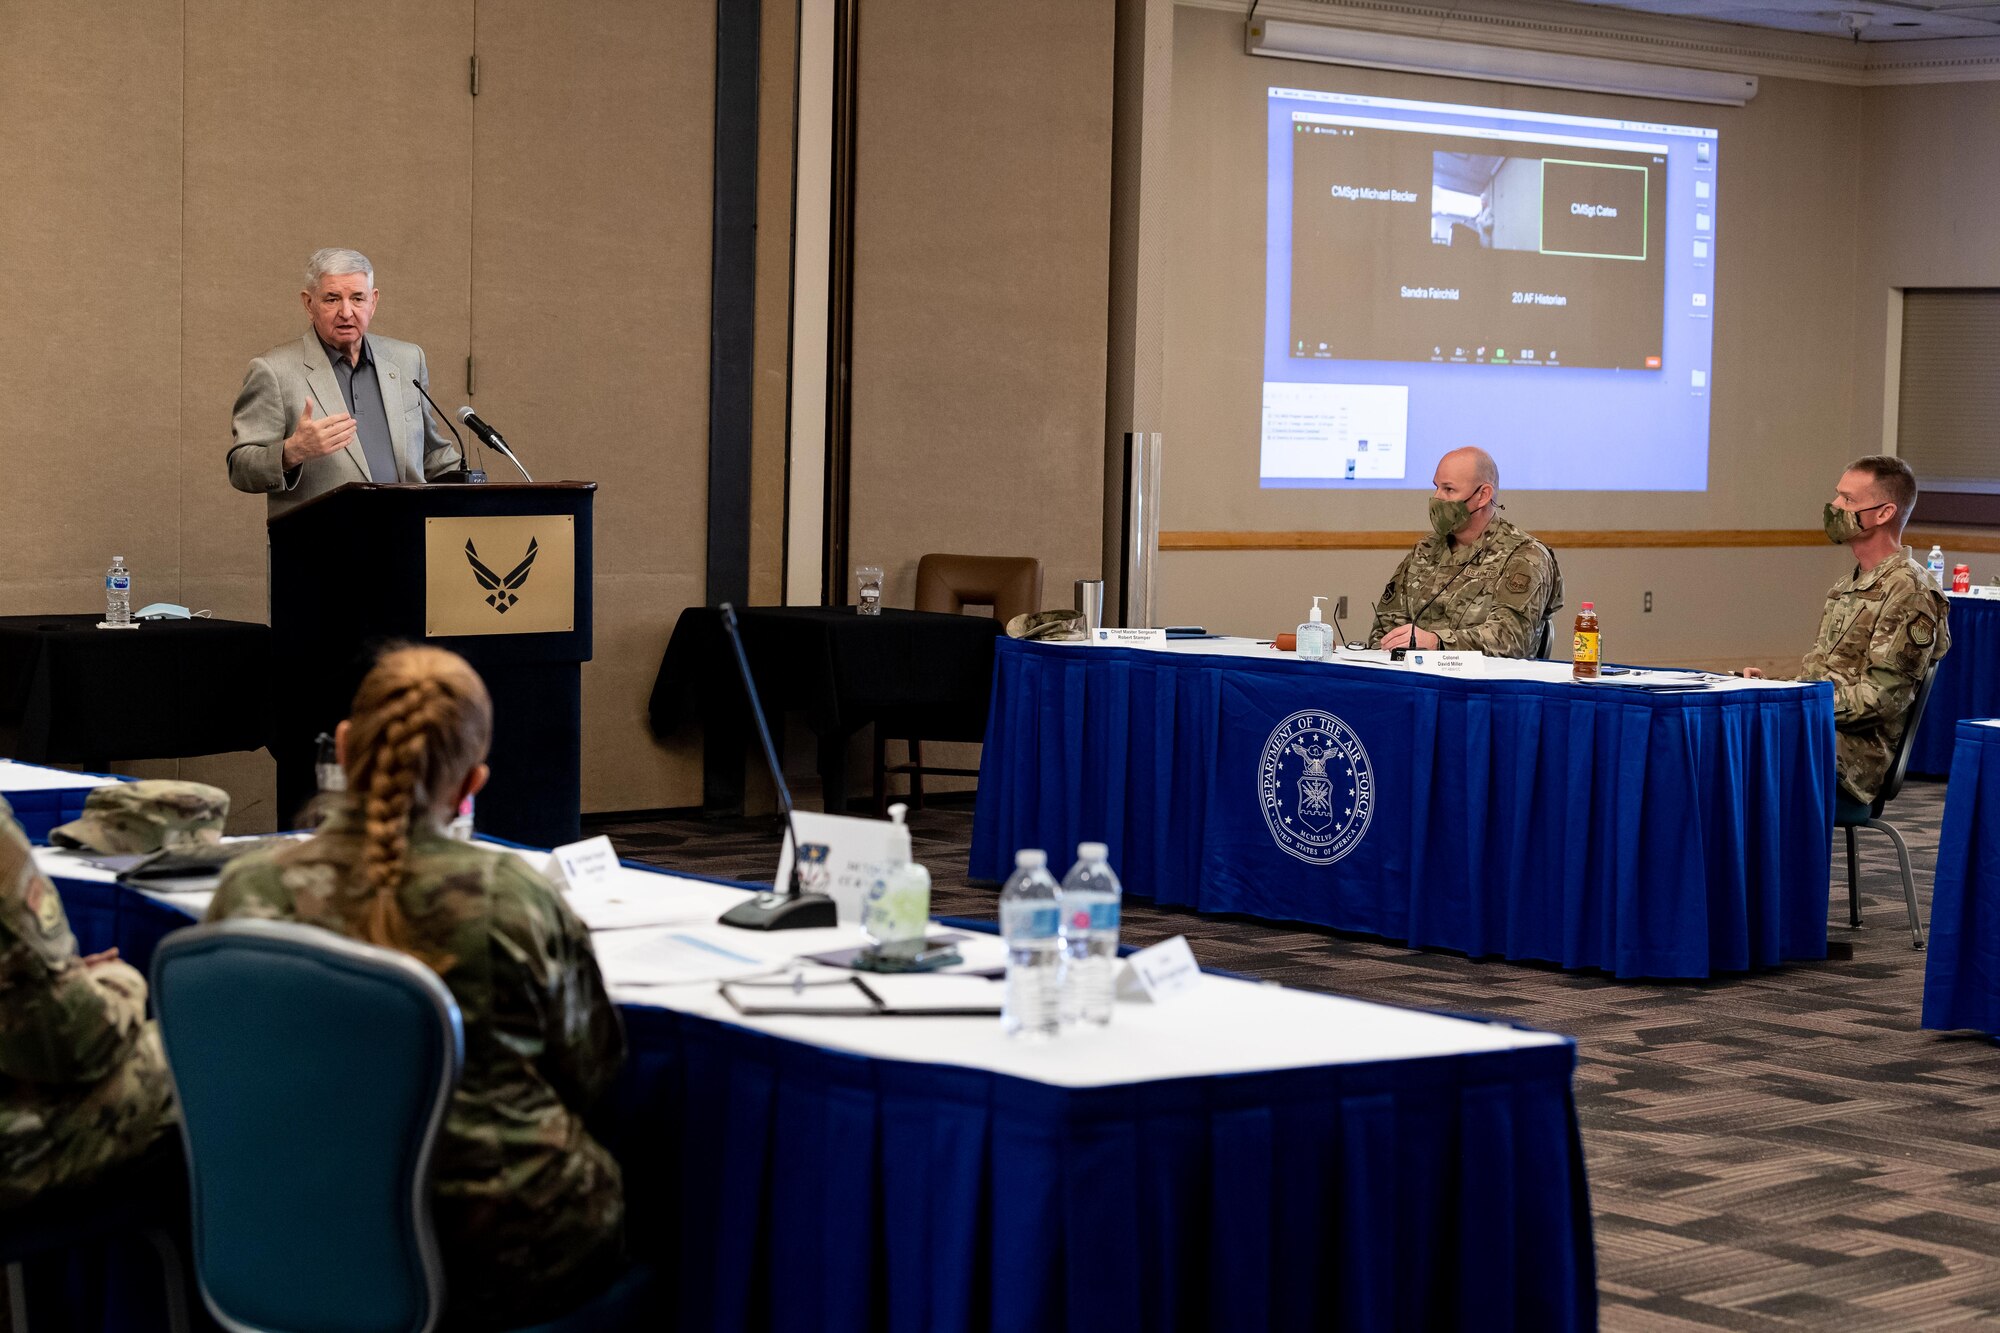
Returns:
(1221, 1026)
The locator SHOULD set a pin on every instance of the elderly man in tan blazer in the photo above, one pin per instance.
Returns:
(337, 405)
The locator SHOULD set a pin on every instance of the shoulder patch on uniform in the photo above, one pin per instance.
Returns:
(1518, 581)
(1922, 631)
(45, 906)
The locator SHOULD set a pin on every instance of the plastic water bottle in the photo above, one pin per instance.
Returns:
(1028, 921)
(1089, 906)
(117, 593)
(1936, 566)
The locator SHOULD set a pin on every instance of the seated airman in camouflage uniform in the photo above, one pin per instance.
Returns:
(1884, 624)
(83, 1082)
(1477, 583)
(529, 1207)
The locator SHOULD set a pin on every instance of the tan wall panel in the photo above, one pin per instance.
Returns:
(981, 275)
(1931, 160)
(309, 127)
(1784, 333)
(593, 156)
(90, 103)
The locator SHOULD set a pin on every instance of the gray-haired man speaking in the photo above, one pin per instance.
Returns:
(338, 404)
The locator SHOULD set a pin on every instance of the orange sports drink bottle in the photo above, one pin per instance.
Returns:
(1586, 650)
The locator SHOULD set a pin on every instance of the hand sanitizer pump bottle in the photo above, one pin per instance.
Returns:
(898, 905)
(1315, 642)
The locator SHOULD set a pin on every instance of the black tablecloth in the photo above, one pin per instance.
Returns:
(916, 672)
(71, 693)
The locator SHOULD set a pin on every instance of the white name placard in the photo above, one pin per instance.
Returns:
(1985, 590)
(844, 856)
(584, 865)
(1161, 972)
(1445, 662)
(1114, 637)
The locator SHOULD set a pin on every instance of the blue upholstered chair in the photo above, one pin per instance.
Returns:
(1850, 814)
(314, 1072)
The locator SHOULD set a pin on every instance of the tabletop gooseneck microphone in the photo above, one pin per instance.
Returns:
(793, 909)
(1339, 630)
(466, 472)
(491, 436)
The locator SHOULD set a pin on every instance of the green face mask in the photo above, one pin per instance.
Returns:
(1448, 516)
(1844, 525)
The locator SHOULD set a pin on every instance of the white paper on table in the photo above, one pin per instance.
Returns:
(15, 776)
(666, 956)
(629, 903)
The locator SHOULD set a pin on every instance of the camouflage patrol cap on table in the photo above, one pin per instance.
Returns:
(127, 817)
(1048, 626)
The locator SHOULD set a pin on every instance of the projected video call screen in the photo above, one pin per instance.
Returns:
(1438, 275)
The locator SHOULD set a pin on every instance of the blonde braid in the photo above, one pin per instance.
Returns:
(421, 721)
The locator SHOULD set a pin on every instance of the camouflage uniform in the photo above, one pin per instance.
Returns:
(83, 1082)
(1882, 627)
(528, 1206)
(1490, 597)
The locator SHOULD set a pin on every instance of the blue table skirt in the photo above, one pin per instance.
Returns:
(1968, 683)
(781, 1185)
(1668, 835)
(1443, 1193)
(1962, 967)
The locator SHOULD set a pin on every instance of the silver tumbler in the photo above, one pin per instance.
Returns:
(1090, 601)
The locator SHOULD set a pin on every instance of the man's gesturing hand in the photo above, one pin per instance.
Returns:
(317, 438)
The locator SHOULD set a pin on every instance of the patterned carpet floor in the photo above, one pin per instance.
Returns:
(1777, 1151)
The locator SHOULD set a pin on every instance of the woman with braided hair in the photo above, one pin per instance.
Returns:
(528, 1206)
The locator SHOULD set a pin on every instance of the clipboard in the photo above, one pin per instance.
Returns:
(846, 997)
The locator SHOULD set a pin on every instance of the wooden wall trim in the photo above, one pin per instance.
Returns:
(1564, 539)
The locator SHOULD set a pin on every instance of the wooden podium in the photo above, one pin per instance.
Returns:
(500, 574)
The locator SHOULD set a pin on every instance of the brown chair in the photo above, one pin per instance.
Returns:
(1012, 586)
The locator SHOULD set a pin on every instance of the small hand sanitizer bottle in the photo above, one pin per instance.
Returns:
(1315, 643)
(898, 907)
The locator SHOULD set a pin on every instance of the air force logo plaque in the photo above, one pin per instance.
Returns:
(499, 574)
(1316, 787)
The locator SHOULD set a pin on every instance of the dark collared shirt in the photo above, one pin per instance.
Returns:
(363, 392)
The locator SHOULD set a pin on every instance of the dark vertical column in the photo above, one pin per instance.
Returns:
(840, 309)
(732, 298)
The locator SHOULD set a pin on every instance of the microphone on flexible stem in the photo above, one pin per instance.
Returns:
(1338, 628)
(794, 909)
(1398, 654)
(466, 472)
(491, 436)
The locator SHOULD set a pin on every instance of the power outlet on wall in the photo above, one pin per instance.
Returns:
(1649, 601)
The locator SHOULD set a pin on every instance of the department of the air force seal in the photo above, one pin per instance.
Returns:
(1316, 786)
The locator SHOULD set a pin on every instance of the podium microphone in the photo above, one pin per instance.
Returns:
(793, 909)
(491, 436)
(466, 472)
